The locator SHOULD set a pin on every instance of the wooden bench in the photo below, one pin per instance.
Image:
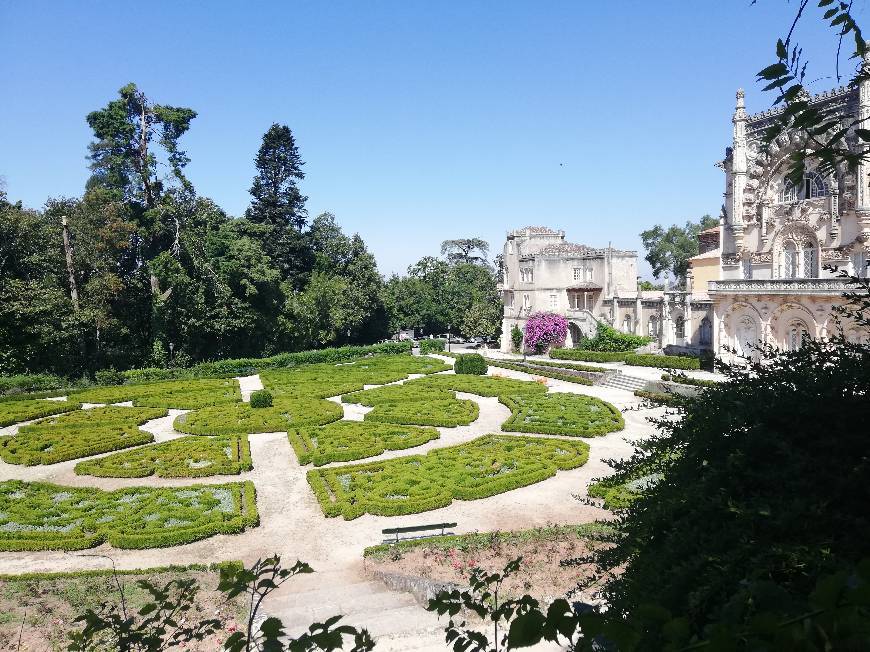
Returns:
(396, 531)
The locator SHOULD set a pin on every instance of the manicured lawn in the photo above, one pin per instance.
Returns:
(78, 434)
(17, 411)
(42, 516)
(179, 394)
(240, 418)
(486, 466)
(187, 457)
(561, 413)
(344, 441)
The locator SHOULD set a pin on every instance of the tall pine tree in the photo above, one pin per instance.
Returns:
(278, 207)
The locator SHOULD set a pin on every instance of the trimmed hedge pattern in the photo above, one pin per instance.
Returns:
(486, 466)
(586, 356)
(445, 413)
(561, 413)
(479, 385)
(412, 391)
(546, 373)
(78, 434)
(180, 394)
(187, 457)
(12, 412)
(344, 441)
(470, 363)
(42, 516)
(262, 398)
(663, 361)
(662, 398)
(240, 418)
(683, 379)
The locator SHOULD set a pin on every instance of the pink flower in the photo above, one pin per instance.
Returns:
(544, 329)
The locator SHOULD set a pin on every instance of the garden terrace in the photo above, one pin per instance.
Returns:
(344, 441)
(561, 413)
(486, 466)
(240, 418)
(180, 394)
(41, 516)
(187, 457)
(78, 434)
(17, 411)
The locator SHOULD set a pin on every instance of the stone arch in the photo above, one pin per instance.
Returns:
(786, 318)
(737, 333)
(705, 332)
(795, 251)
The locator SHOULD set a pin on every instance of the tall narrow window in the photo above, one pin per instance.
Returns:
(747, 268)
(553, 302)
(509, 299)
(680, 325)
(809, 262)
(526, 302)
(814, 186)
(588, 273)
(859, 264)
(705, 332)
(530, 275)
(789, 261)
(652, 328)
(788, 192)
(626, 324)
(578, 274)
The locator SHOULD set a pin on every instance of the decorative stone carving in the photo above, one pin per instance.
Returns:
(762, 257)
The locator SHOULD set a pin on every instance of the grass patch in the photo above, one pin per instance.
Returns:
(241, 418)
(344, 441)
(78, 434)
(12, 412)
(180, 394)
(486, 466)
(42, 516)
(561, 413)
(188, 457)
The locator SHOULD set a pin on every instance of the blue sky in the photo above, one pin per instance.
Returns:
(419, 121)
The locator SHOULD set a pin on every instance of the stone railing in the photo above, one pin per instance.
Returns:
(780, 286)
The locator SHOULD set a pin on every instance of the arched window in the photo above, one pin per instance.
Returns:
(788, 263)
(626, 324)
(788, 192)
(705, 332)
(808, 256)
(652, 327)
(680, 324)
(746, 337)
(814, 186)
(795, 335)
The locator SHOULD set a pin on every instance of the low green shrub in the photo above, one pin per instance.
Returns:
(109, 377)
(479, 385)
(24, 383)
(42, 516)
(683, 379)
(662, 398)
(407, 392)
(546, 373)
(187, 457)
(662, 361)
(240, 418)
(586, 356)
(561, 413)
(78, 434)
(608, 338)
(444, 413)
(262, 398)
(344, 441)
(12, 412)
(432, 346)
(484, 467)
(179, 394)
(516, 339)
(470, 363)
(615, 496)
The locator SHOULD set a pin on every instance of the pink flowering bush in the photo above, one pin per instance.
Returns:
(545, 329)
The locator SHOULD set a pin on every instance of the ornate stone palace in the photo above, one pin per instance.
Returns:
(542, 272)
(777, 235)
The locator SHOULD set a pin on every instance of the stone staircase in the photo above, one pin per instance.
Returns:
(620, 380)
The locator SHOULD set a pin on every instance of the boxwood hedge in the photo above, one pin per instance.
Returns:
(344, 441)
(470, 363)
(406, 392)
(486, 466)
(78, 434)
(240, 418)
(479, 385)
(180, 394)
(445, 413)
(545, 372)
(561, 413)
(587, 356)
(42, 516)
(663, 361)
(432, 346)
(17, 411)
(187, 457)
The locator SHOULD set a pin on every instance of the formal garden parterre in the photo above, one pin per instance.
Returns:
(561, 413)
(240, 418)
(181, 394)
(12, 412)
(344, 441)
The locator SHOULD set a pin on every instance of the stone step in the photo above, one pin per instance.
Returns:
(316, 609)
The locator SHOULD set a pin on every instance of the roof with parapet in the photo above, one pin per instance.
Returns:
(574, 249)
(536, 230)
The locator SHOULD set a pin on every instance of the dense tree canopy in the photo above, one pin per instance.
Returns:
(668, 250)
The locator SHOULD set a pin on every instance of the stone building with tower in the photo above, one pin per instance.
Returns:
(776, 235)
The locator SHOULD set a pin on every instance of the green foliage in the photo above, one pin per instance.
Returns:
(662, 398)
(179, 394)
(109, 377)
(187, 457)
(683, 379)
(444, 413)
(608, 338)
(25, 383)
(543, 370)
(344, 441)
(586, 356)
(78, 434)
(409, 392)
(486, 466)
(41, 516)
(241, 418)
(516, 339)
(662, 361)
(668, 251)
(615, 495)
(470, 363)
(480, 385)
(432, 346)
(561, 413)
(17, 411)
(262, 398)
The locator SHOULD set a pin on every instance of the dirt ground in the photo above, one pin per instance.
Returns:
(41, 611)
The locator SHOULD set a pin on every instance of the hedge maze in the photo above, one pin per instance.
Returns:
(42, 516)
(561, 413)
(17, 411)
(187, 457)
(344, 441)
(486, 466)
(180, 394)
(480, 385)
(78, 434)
(240, 418)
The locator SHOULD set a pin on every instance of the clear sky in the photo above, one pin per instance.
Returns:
(419, 121)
